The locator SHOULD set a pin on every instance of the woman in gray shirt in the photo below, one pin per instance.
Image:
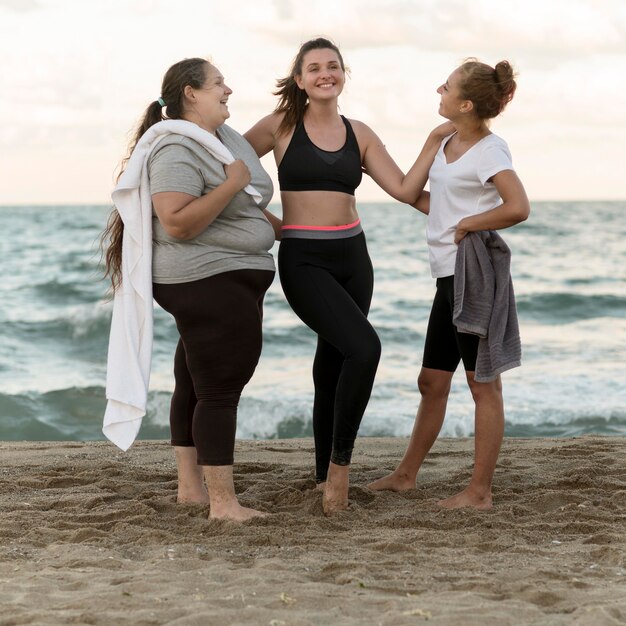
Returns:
(211, 268)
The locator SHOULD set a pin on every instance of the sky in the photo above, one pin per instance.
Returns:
(76, 76)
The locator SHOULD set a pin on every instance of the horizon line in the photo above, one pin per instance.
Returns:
(278, 204)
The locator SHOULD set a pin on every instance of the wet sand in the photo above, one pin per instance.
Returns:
(92, 535)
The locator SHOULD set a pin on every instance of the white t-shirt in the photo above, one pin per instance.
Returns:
(460, 189)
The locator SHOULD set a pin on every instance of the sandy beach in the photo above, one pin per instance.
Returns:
(92, 535)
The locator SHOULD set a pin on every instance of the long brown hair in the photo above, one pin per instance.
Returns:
(293, 100)
(490, 89)
(191, 72)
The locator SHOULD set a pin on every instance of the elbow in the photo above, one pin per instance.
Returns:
(523, 213)
(179, 233)
(408, 196)
(519, 213)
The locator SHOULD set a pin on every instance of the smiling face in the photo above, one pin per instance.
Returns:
(322, 76)
(452, 104)
(207, 106)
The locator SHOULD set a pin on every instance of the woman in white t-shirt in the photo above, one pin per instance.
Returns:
(473, 187)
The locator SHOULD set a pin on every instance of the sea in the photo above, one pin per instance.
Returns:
(569, 272)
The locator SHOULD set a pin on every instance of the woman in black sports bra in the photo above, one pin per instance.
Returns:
(324, 266)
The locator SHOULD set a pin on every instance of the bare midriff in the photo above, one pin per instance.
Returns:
(318, 208)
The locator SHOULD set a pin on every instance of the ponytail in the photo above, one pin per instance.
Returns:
(191, 72)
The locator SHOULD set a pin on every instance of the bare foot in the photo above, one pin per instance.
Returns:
(332, 503)
(235, 513)
(320, 486)
(335, 498)
(393, 482)
(468, 498)
(188, 498)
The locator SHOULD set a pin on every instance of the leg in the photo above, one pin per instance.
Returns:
(488, 434)
(326, 370)
(191, 487)
(350, 401)
(434, 387)
(342, 324)
(220, 324)
(329, 287)
(441, 358)
(223, 500)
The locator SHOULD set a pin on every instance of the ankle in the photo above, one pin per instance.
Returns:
(338, 474)
(480, 490)
(219, 506)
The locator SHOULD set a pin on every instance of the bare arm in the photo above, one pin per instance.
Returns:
(423, 202)
(383, 169)
(514, 209)
(262, 136)
(184, 216)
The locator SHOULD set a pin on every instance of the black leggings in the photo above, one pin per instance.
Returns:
(329, 284)
(445, 346)
(219, 321)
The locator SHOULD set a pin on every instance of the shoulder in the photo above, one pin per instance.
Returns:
(493, 145)
(493, 141)
(175, 149)
(176, 144)
(269, 123)
(497, 140)
(263, 136)
(230, 137)
(237, 143)
(227, 131)
(365, 136)
(358, 126)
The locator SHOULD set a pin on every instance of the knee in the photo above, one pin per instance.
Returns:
(369, 351)
(433, 386)
(486, 392)
(219, 398)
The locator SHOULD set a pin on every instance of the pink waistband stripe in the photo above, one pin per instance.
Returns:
(341, 227)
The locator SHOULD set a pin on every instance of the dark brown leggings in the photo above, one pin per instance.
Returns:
(219, 320)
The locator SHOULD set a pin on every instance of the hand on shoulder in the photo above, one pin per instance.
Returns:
(443, 130)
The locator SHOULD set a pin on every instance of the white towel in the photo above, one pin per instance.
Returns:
(130, 339)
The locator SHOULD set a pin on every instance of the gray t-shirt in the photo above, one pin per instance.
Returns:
(239, 238)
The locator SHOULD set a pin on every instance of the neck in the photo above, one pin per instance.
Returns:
(190, 117)
(322, 112)
(471, 129)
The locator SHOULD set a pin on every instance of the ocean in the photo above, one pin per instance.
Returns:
(569, 271)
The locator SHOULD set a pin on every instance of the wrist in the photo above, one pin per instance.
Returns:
(465, 224)
(231, 186)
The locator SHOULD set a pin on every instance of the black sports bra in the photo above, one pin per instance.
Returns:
(305, 167)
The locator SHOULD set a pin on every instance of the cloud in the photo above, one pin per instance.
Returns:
(76, 89)
(566, 28)
(20, 6)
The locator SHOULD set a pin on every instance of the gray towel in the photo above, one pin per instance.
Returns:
(484, 303)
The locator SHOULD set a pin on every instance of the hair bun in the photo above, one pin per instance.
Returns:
(505, 79)
(504, 71)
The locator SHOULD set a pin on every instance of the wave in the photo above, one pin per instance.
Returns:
(614, 425)
(563, 307)
(71, 414)
(84, 323)
(57, 292)
(75, 414)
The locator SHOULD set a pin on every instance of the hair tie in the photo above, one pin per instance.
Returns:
(161, 101)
